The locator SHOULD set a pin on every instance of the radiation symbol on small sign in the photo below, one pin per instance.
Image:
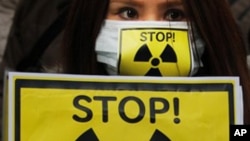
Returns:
(144, 55)
(90, 135)
(154, 52)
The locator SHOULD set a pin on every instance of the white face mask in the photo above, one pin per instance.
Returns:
(149, 48)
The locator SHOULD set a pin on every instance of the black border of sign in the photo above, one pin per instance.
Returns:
(142, 86)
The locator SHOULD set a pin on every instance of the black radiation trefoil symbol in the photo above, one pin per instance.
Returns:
(91, 136)
(144, 55)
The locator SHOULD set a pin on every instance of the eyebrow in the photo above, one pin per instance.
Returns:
(128, 2)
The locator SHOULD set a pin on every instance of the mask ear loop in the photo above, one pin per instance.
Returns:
(195, 50)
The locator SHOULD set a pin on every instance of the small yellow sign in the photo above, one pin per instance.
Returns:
(98, 108)
(155, 52)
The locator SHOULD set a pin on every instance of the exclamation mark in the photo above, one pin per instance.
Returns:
(176, 110)
(173, 37)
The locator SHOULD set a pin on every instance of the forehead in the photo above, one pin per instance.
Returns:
(146, 1)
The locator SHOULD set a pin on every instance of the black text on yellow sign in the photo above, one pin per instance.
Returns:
(121, 108)
(93, 110)
(151, 36)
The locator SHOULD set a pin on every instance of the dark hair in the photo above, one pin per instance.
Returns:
(84, 23)
(225, 51)
(248, 35)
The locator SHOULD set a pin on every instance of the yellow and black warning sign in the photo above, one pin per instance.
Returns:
(45, 107)
(155, 52)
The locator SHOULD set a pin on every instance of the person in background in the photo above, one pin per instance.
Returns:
(89, 47)
(241, 11)
(7, 10)
(30, 21)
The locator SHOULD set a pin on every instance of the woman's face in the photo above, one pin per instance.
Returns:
(154, 10)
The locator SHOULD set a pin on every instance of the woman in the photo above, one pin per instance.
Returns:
(224, 53)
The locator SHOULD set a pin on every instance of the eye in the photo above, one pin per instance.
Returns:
(128, 13)
(175, 15)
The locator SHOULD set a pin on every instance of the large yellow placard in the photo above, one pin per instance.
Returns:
(59, 114)
(80, 108)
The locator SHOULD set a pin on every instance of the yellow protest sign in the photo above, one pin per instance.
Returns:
(98, 108)
(155, 52)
